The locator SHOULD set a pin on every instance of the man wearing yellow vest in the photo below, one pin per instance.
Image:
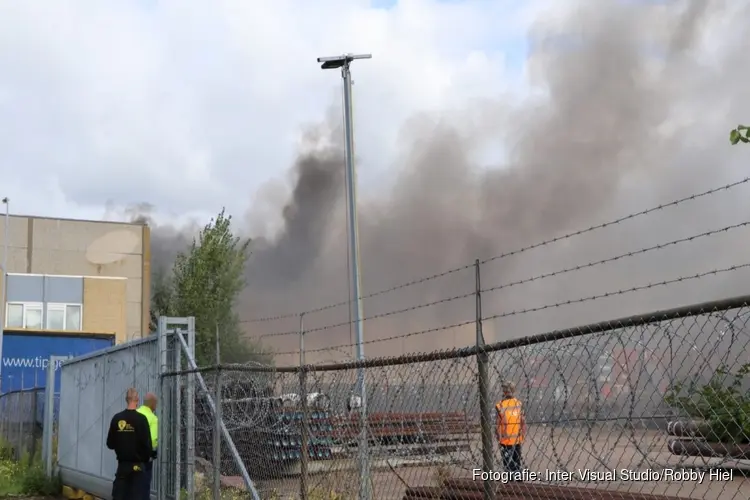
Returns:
(147, 410)
(511, 428)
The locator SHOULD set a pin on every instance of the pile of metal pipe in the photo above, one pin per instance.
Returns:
(694, 441)
(688, 429)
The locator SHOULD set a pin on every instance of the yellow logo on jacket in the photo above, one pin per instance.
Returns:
(123, 426)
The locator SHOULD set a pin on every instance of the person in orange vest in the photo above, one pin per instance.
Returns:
(511, 428)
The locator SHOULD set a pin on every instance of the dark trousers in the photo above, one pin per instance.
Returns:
(146, 483)
(511, 455)
(128, 483)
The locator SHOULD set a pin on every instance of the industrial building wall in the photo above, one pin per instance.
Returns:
(68, 304)
(65, 247)
(104, 307)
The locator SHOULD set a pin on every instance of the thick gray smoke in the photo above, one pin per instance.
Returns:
(635, 114)
(279, 264)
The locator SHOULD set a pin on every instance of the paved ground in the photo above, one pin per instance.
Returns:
(547, 449)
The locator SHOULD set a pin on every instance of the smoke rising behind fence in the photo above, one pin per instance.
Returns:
(612, 129)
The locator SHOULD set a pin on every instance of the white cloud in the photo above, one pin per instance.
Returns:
(192, 104)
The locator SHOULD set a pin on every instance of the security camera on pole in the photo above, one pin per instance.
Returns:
(343, 62)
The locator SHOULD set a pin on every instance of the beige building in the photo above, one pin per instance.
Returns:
(76, 275)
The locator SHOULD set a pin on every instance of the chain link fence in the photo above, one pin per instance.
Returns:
(21, 422)
(654, 404)
(651, 406)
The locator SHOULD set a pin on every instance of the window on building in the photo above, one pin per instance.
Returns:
(14, 316)
(24, 315)
(63, 316)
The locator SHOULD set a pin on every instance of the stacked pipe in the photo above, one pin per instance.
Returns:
(693, 440)
(406, 427)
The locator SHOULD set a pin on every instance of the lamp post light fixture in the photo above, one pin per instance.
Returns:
(344, 62)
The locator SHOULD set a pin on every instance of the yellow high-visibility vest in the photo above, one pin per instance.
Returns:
(509, 422)
(153, 424)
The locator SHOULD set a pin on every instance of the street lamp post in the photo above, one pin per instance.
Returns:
(343, 62)
(4, 287)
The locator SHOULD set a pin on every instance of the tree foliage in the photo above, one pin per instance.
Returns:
(205, 282)
(723, 404)
(740, 134)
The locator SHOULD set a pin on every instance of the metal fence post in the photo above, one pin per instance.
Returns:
(485, 405)
(21, 415)
(49, 414)
(164, 443)
(190, 414)
(34, 433)
(217, 423)
(177, 354)
(212, 407)
(217, 437)
(304, 452)
(16, 426)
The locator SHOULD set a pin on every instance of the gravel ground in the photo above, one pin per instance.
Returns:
(546, 449)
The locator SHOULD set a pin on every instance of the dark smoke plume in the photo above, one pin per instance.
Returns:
(635, 114)
(280, 263)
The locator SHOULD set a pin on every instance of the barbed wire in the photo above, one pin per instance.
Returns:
(426, 414)
(518, 312)
(524, 281)
(618, 221)
(543, 243)
(605, 401)
(621, 256)
(368, 296)
(374, 316)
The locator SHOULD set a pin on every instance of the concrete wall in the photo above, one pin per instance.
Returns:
(48, 246)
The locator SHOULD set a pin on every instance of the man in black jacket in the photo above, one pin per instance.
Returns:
(130, 438)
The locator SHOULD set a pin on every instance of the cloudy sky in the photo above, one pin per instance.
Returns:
(189, 105)
(192, 104)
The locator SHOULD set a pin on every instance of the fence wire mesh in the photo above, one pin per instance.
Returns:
(21, 423)
(92, 390)
(652, 405)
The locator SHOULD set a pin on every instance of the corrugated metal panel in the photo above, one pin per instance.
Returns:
(92, 390)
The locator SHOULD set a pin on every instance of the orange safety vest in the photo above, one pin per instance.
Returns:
(509, 422)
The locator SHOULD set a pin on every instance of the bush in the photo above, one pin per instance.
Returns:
(6, 451)
(25, 476)
(723, 404)
(34, 481)
(9, 474)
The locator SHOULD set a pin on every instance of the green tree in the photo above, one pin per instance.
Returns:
(722, 405)
(161, 296)
(740, 134)
(205, 282)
